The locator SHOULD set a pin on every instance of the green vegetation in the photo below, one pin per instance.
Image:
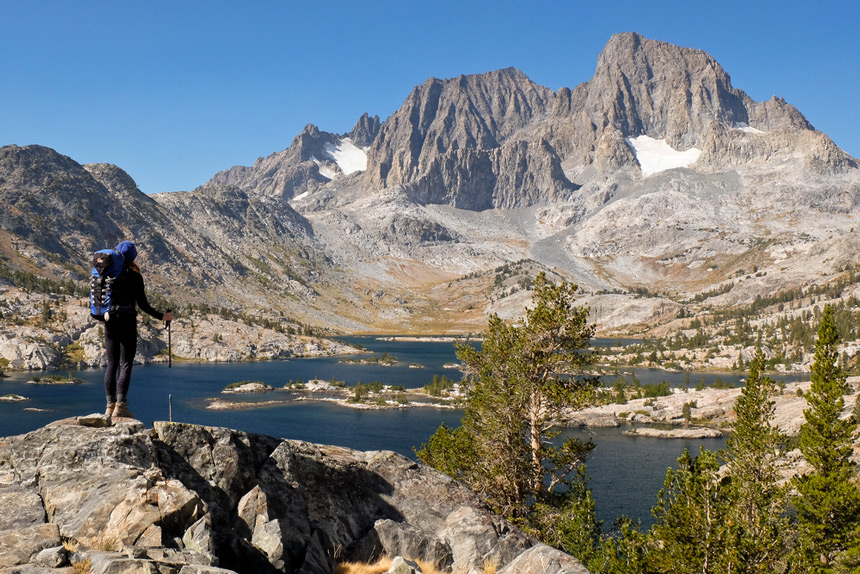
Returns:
(756, 520)
(729, 512)
(56, 380)
(828, 501)
(439, 386)
(783, 323)
(386, 359)
(517, 384)
(32, 283)
(622, 391)
(718, 512)
(74, 353)
(361, 392)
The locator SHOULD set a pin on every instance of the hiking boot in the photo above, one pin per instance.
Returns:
(110, 408)
(121, 410)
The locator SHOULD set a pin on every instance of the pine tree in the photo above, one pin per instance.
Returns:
(756, 518)
(828, 502)
(517, 384)
(689, 535)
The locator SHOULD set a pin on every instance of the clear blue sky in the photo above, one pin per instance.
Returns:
(174, 91)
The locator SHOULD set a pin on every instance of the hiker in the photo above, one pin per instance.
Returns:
(121, 330)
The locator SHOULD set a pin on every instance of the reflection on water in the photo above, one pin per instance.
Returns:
(626, 473)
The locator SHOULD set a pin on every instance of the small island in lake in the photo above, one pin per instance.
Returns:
(440, 393)
(55, 380)
(385, 360)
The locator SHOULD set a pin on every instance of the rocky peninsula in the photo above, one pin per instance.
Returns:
(90, 493)
(711, 414)
(56, 331)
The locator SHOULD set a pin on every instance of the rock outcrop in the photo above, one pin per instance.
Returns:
(190, 499)
(71, 337)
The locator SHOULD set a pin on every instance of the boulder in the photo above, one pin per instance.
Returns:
(20, 507)
(53, 557)
(399, 539)
(97, 420)
(542, 559)
(401, 565)
(21, 545)
(200, 538)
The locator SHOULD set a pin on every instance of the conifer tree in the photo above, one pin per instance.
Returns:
(828, 502)
(517, 384)
(756, 514)
(689, 535)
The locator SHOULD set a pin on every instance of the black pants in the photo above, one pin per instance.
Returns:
(120, 348)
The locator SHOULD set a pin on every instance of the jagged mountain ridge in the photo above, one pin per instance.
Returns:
(498, 140)
(657, 172)
(309, 162)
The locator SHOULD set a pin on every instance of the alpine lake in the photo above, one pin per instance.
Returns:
(625, 472)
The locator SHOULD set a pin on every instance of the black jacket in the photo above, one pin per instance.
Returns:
(127, 291)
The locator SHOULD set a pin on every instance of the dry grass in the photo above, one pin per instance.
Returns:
(83, 567)
(108, 543)
(490, 566)
(379, 567)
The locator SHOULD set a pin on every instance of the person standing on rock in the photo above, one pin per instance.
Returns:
(121, 331)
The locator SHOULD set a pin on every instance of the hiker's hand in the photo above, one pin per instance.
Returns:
(168, 316)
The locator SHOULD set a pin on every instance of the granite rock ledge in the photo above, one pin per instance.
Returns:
(187, 499)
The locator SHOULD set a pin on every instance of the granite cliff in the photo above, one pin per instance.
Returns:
(187, 499)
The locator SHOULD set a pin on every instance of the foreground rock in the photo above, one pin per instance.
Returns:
(188, 499)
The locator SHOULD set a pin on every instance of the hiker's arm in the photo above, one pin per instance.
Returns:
(142, 302)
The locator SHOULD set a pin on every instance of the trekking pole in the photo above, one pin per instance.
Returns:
(170, 371)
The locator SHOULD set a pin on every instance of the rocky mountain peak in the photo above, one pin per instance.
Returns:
(115, 179)
(480, 111)
(41, 189)
(469, 124)
(648, 87)
(365, 131)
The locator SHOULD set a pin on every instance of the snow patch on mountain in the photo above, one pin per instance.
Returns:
(325, 170)
(348, 157)
(655, 155)
(747, 128)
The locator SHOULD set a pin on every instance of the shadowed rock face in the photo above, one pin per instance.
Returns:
(212, 498)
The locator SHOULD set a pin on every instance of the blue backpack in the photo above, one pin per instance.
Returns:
(107, 265)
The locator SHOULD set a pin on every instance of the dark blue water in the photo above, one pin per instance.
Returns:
(626, 473)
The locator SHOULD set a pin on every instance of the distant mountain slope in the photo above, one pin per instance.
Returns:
(657, 175)
(219, 241)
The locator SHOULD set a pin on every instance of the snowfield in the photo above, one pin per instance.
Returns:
(348, 157)
(655, 156)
